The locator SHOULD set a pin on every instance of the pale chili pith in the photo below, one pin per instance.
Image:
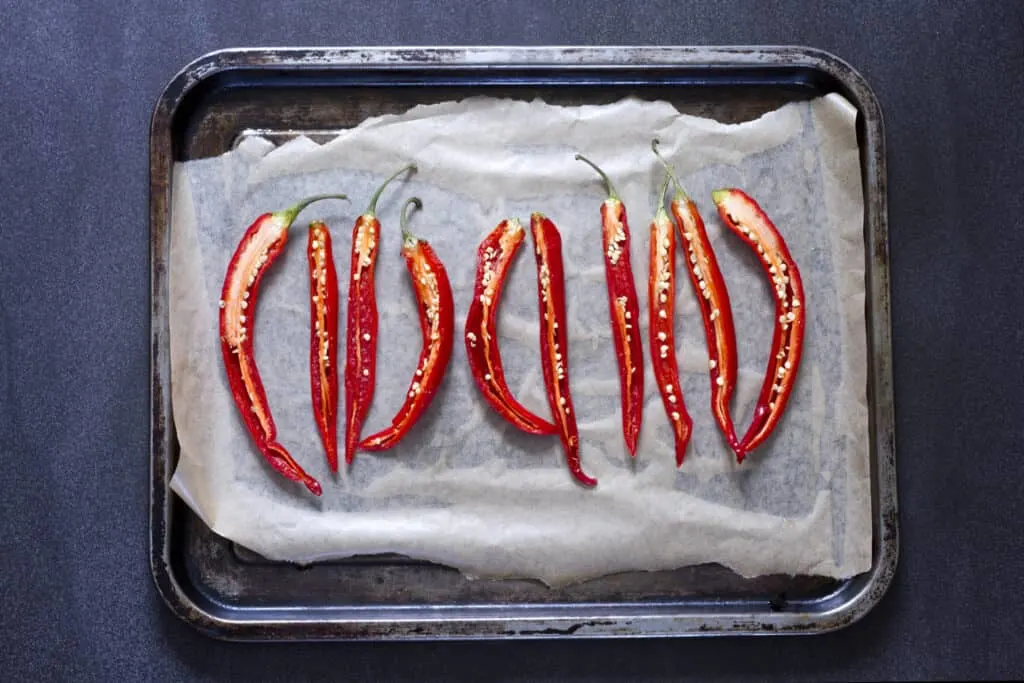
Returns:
(494, 258)
(715, 309)
(259, 247)
(323, 338)
(554, 340)
(437, 323)
(361, 332)
(743, 216)
(661, 296)
(623, 308)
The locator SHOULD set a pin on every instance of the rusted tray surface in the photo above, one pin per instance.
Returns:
(229, 592)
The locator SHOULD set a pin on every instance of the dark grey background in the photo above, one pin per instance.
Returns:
(77, 87)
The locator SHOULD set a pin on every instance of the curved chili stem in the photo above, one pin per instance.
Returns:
(371, 210)
(292, 212)
(661, 196)
(744, 217)
(612, 194)
(554, 339)
(713, 300)
(623, 309)
(671, 174)
(361, 332)
(661, 295)
(323, 344)
(259, 247)
(437, 323)
(403, 221)
(494, 259)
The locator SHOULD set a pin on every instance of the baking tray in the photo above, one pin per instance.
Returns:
(228, 592)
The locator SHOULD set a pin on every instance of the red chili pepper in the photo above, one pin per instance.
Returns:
(261, 244)
(494, 258)
(437, 323)
(554, 342)
(661, 297)
(323, 346)
(715, 309)
(623, 308)
(744, 217)
(361, 350)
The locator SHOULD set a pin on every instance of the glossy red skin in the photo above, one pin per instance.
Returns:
(719, 332)
(361, 348)
(744, 217)
(554, 341)
(437, 323)
(494, 256)
(624, 312)
(323, 358)
(239, 361)
(661, 296)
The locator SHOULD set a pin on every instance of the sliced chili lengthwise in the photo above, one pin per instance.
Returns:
(623, 308)
(744, 217)
(361, 348)
(554, 341)
(494, 258)
(713, 300)
(661, 296)
(437, 323)
(259, 247)
(323, 338)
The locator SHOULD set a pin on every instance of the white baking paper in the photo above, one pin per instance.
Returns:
(464, 488)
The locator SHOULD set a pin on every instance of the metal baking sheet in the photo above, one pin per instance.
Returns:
(228, 592)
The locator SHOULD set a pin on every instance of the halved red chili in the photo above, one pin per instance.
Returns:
(494, 258)
(554, 340)
(259, 247)
(715, 309)
(745, 217)
(623, 308)
(361, 347)
(323, 346)
(661, 298)
(437, 323)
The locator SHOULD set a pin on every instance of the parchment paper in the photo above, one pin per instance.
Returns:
(465, 489)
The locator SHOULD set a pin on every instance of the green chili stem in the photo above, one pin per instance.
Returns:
(612, 194)
(680, 192)
(661, 195)
(291, 212)
(407, 236)
(372, 210)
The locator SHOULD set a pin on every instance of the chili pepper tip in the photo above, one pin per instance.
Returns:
(582, 477)
(612, 194)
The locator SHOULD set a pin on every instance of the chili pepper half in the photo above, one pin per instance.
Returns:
(494, 258)
(744, 217)
(661, 297)
(361, 349)
(554, 342)
(623, 308)
(323, 338)
(437, 322)
(713, 298)
(259, 247)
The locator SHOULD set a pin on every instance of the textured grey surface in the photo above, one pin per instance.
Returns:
(76, 91)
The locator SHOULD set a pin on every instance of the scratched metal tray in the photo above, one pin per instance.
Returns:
(229, 592)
